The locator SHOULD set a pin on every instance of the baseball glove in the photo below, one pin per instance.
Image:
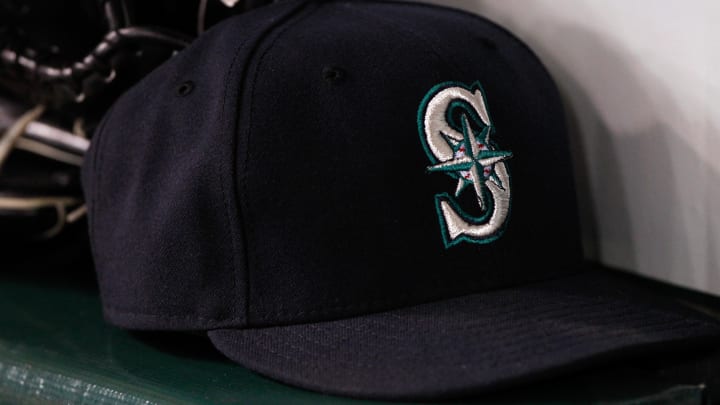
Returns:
(62, 64)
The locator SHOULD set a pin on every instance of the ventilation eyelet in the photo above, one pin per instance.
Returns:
(333, 74)
(185, 88)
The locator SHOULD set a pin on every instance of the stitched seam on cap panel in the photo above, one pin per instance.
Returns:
(250, 224)
(242, 208)
(249, 232)
(233, 170)
(221, 179)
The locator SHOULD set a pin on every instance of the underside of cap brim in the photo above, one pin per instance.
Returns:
(469, 344)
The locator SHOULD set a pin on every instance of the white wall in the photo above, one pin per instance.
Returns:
(641, 81)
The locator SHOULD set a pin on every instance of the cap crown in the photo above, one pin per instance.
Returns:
(316, 170)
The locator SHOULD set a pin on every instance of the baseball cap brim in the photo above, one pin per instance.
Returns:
(472, 343)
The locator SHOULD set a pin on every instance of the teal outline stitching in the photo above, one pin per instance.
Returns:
(488, 130)
(443, 225)
(457, 104)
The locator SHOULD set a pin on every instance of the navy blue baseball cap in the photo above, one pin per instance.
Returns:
(365, 198)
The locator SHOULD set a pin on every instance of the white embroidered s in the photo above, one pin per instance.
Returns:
(455, 130)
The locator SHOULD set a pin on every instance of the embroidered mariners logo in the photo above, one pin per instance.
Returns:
(456, 133)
